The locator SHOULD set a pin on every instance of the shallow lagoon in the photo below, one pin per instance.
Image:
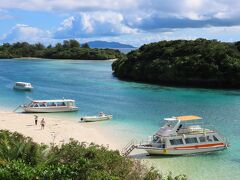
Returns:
(138, 109)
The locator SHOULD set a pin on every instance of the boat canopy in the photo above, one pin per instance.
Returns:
(188, 118)
(183, 118)
(170, 119)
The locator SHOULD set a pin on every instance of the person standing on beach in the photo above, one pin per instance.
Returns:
(42, 123)
(36, 119)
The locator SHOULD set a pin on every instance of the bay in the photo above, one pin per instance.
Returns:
(138, 109)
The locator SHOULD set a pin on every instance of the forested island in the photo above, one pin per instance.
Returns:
(69, 49)
(197, 63)
(21, 158)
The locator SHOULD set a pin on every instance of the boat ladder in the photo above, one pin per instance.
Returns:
(128, 148)
(20, 106)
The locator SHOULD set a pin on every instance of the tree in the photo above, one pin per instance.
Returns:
(73, 160)
(70, 49)
(39, 46)
(202, 63)
(85, 45)
(58, 46)
(74, 43)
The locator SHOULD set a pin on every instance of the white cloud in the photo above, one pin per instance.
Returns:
(22, 32)
(142, 14)
(4, 14)
(134, 21)
(69, 5)
(192, 9)
(94, 24)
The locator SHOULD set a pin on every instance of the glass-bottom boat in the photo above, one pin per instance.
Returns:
(47, 106)
(178, 137)
(23, 86)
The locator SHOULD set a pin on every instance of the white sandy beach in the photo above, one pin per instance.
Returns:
(56, 131)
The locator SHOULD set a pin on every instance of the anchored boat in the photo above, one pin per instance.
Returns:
(23, 86)
(179, 137)
(100, 117)
(47, 106)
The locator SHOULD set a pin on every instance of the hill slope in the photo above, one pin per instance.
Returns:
(105, 44)
(203, 63)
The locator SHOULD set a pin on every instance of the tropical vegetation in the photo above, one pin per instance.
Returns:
(21, 158)
(200, 62)
(69, 49)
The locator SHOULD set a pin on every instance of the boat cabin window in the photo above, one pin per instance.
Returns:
(42, 104)
(35, 105)
(61, 104)
(209, 138)
(202, 139)
(176, 141)
(191, 140)
(20, 84)
(215, 139)
(51, 104)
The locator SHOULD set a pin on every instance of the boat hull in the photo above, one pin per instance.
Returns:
(182, 150)
(23, 88)
(50, 109)
(96, 118)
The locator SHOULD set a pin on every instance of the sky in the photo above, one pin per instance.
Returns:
(134, 22)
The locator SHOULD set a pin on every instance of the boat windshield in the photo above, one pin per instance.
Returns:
(170, 124)
(70, 103)
(155, 138)
(20, 84)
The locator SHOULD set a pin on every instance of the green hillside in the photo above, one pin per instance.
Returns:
(201, 62)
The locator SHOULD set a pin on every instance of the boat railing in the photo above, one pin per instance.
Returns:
(193, 128)
(201, 124)
(127, 149)
(145, 141)
(132, 142)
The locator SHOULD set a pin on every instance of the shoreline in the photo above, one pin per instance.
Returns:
(57, 130)
(39, 58)
(27, 58)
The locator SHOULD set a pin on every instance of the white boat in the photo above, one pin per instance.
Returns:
(23, 86)
(47, 106)
(178, 137)
(100, 117)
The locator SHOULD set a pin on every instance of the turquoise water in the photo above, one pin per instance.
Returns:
(138, 109)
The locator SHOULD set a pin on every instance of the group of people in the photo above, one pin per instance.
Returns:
(42, 122)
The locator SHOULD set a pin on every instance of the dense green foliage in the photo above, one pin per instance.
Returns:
(204, 63)
(68, 50)
(21, 158)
